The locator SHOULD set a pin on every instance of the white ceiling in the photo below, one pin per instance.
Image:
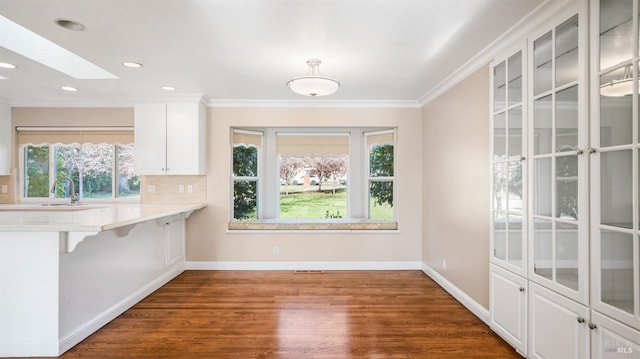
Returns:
(380, 50)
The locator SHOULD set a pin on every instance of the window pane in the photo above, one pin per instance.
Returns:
(500, 186)
(128, 182)
(499, 88)
(542, 64)
(515, 186)
(616, 276)
(499, 136)
(90, 166)
(616, 190)
(567, 255)
(381, 200)
(542, 125)
(616, 105)
(515, 79)
(616, 32)
(515, 133)
(567, 119)
(245, 200)
(542, 186)
(543, 248)
(313, 187)
(36, 182)
(514, 243)
(381, 160)
(567, 51)
(245, 161)
(499, 235)
(567, 187)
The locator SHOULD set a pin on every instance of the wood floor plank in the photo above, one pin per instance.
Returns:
(281, 314)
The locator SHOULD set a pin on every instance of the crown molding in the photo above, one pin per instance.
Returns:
(315, 103)
(517, 32)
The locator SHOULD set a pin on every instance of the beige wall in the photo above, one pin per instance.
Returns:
(455, 174)
(209, 239)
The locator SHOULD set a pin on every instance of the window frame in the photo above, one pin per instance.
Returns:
(370, 178)
(357, 172)
(52, 175)
(259, 171)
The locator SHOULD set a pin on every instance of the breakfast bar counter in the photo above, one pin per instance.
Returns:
(66, 270)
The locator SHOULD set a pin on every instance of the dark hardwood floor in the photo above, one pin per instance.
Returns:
(265, 314)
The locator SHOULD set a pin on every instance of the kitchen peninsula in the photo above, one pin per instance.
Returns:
(67, 270)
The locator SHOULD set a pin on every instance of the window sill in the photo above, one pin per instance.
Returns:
(349, 224)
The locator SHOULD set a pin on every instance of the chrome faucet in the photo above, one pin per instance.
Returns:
(73, 196)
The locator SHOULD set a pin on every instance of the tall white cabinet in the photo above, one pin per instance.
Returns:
(565, 237)
(170, 138)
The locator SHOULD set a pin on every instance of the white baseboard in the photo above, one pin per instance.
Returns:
(473, 306)
(110, 314)
(404, 265)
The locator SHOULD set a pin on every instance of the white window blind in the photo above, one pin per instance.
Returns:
(68, 135)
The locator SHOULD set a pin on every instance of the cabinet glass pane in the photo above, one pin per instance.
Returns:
(615, 346)
(515, 186)
(542, 187)
(515, 133)
(542, 64)
(567, 51)
(500, 186)
(542, 130)
(567, 255)
(615, 111)
(543, 248)
(514, 236)
(567, 119)
(499, 235)
(616, 273)
(499, 86)
(515, 79)
(616, 188)
(567, 187)
(499, 136)
(616, 32)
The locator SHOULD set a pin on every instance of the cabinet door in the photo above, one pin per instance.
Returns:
(174, 232)
(558, 326)
(5, 140)
(611, 339)
(558, 138)
(185, 152)
(508, 180)
(615, 162)
(508, 307)
(150, 137)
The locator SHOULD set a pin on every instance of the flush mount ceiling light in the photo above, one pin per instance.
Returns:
(313, 84)
(620, 87)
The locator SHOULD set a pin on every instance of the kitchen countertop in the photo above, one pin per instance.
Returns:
(85, 217)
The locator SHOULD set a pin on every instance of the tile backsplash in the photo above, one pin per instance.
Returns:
(7, 189)
(173, 189)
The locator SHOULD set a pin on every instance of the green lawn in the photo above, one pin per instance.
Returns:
(308, 203)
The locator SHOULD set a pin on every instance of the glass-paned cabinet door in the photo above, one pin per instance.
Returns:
(615, 161)
(558, 235)
(508, 234)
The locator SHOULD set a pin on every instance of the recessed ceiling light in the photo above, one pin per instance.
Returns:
(6, 65)
(168, 88)
(133, 65)
(69, 88)
(3, 78)
(70, 25)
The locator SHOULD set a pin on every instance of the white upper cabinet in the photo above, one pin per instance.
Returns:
(615, 161)
(508, 166)
(5, 140)
(170, 138)
(558, 148)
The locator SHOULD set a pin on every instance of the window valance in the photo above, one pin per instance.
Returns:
(68, 135)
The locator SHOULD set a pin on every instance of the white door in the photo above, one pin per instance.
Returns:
(558, 326)
(508, 307)
(182, 138)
